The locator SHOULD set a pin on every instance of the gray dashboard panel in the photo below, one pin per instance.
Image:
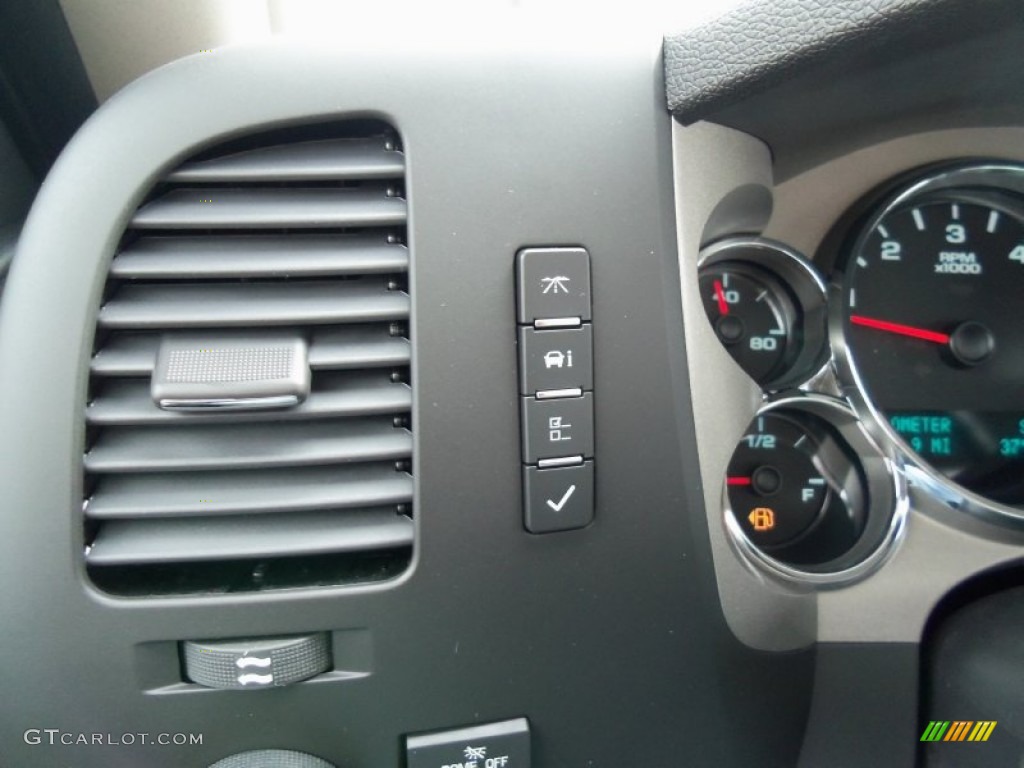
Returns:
(940, 548)
(609, 639)
(711, 163)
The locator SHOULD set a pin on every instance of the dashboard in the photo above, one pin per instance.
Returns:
(579, 395)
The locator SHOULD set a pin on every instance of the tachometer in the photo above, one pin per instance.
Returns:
(933, 321)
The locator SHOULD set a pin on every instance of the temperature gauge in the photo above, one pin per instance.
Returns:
(752, 316)
(766, 304)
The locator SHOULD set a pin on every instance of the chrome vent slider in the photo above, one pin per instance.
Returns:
(236, 373)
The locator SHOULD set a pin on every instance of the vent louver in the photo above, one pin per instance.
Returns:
(299, 232)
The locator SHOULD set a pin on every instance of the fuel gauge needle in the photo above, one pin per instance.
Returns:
(903, 330)
(723, 305)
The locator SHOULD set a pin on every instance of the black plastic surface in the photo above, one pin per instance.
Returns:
(815, 78)
(865, 706)
(611, 640)
(764, 43)
(974, 671)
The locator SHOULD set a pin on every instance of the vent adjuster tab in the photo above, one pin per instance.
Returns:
(241, 373)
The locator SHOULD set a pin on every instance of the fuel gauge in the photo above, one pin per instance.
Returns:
(791, 478)
(808, 494)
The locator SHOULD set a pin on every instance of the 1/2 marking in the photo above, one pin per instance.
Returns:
(760, 441)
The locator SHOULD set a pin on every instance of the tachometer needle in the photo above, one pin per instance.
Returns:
(738, 481)
(723, 305)
(903, 330)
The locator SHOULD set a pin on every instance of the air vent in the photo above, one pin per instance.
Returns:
(297, 234)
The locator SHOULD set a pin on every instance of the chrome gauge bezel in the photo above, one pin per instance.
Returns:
(997, 177)
(801, 277)
(886, 489)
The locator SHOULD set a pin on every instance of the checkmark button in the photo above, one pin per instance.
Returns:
(557, 506)
(558, 499)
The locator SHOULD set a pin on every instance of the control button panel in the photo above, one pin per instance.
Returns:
(496, 745)
(264, 662)
(553, 283)
(555, 360)
(559, 498)
(556, 377)
(559, 427)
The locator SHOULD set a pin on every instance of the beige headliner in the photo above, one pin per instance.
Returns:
(120, 40)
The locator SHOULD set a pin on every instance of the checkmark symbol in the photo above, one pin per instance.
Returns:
(561, 503)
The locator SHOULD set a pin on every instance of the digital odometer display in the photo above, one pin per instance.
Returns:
(974, 448)
(934, 327)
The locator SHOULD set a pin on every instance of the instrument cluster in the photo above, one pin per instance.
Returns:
(896, 354)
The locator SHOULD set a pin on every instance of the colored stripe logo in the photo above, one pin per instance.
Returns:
(958, 730)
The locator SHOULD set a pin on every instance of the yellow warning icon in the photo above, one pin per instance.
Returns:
(762, 518)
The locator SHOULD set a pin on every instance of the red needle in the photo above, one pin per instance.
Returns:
(903, 330)
(723, 305)
(738, 481)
